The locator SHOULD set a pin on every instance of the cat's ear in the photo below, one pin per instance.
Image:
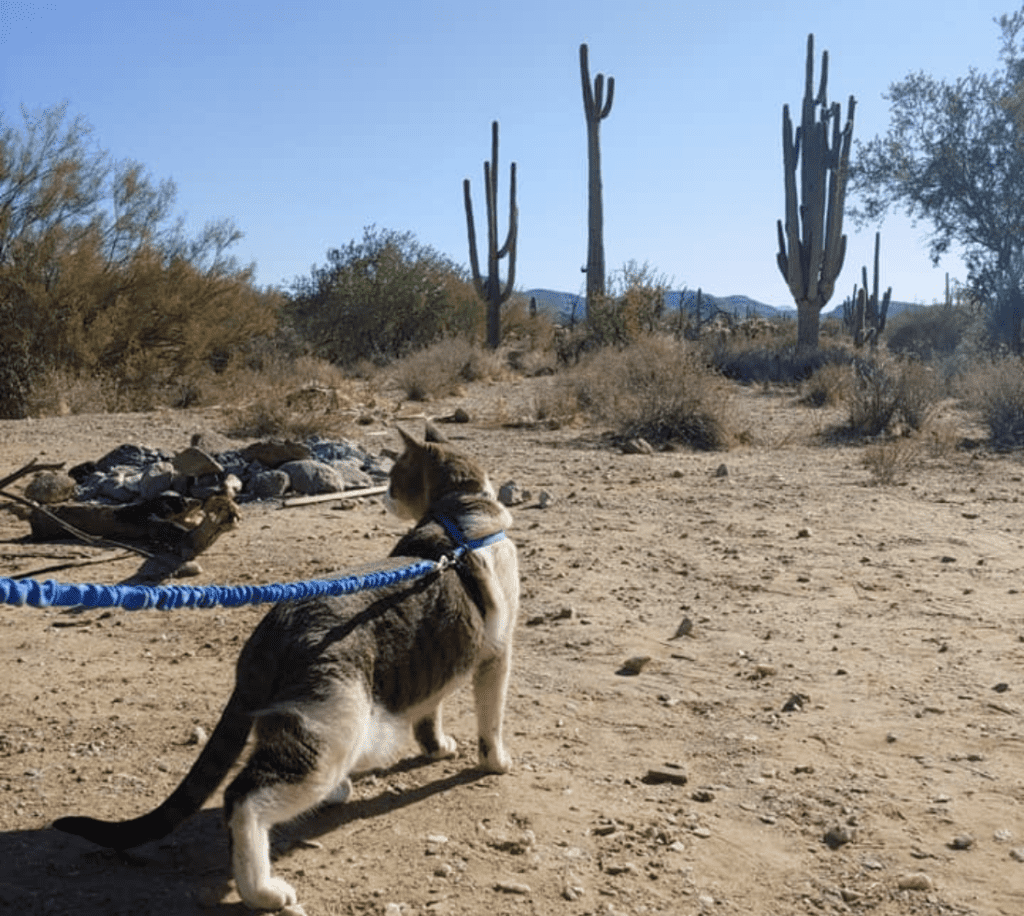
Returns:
(408, 441)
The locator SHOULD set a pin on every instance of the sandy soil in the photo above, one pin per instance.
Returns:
(846, 710)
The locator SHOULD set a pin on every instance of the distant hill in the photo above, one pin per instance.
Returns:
(566, 307)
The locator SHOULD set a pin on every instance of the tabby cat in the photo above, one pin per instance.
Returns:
(331, 686)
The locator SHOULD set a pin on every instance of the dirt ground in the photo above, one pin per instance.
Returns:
(839, 731)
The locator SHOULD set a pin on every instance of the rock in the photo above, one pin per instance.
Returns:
(839, 835)
(310, 477)
(722, 471)
(352, 473)
(545, 499)
(796, 702)
(804, 533)
(685, 628)
(273, 453)
(194, 462)
(212, 442)
(511, 494)
(673, 773)
(198, 736)
(156, 478)
(634, 665)
(961, 841)
(1017, 854)
(572, 889)
(637, 446)
(915, 881)
(51, 487)
(269, 484)
(512, 887)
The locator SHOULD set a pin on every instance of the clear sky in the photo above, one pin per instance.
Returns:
(308, 120)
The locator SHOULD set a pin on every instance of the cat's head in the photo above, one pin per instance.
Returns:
(426, 472)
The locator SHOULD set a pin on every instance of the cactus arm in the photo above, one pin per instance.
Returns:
(605, 111)
(474, 261)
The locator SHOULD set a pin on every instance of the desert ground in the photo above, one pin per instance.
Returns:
(829, 719)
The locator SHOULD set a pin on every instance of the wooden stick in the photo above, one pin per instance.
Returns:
(328, 497)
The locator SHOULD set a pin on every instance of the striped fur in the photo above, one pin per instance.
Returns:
(331, 686)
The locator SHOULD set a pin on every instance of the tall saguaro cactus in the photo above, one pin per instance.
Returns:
(596, 107)
(812, 245)
(490, 289)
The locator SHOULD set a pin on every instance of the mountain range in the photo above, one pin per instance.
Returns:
(567, 307)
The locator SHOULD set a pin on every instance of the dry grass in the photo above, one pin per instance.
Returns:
(656, 389)
(996, 390)
(444, 369)
(891, 459)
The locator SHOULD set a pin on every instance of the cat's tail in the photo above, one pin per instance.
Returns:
(212, 765)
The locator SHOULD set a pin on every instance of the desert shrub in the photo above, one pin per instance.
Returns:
(381, 298)
(996, 389)
(928, 333)
(96, 279)
(885, 390)
(781, 364)
(829, 386)
(889, 460)
(444, 368)
(656, 389)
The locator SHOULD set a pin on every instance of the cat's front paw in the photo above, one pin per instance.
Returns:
(493, 758)
(272, 895)
(447, 747)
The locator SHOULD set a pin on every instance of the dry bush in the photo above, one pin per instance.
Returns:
(890, 460)
(996, 389)
(830, 386)
(752, 362)
(444, 368)
(656, 389)
(886, 390)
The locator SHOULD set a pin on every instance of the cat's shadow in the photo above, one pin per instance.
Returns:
(187, 871)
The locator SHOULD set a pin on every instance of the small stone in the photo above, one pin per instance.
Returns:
(621, 868)
(511, 494)
(1003, 835)
(891, 738)
(804, 533)
(796, 702)
(702, 832)
(1017, 854)
(437, 839)
(571, 887)
(685, 628)
(702, 795)
(762, 671)
(545, 499)
(444, 870)
(198, 736)
(460, 416)
(722, 471)
(512, 887)
(634, 665)
(961, 841)
(915, 881)
(838, 835)
(1001, 687)
(676, 846)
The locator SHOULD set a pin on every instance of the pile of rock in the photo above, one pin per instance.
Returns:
(261, 470)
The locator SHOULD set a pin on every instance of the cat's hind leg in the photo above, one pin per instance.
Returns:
(298, 763)
(429, 733)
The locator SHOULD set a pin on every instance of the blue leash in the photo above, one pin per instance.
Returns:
(50, 593)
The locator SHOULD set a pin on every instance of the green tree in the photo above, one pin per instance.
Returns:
(381, 297)
(96, 277)
(954, 156)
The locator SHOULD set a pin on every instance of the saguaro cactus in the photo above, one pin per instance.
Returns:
(868, 313)
(596, 107)
(490, 289)
(812, 245)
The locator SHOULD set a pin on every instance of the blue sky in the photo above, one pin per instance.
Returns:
(306, 121)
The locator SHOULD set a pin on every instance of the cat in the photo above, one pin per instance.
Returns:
(332, 686)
